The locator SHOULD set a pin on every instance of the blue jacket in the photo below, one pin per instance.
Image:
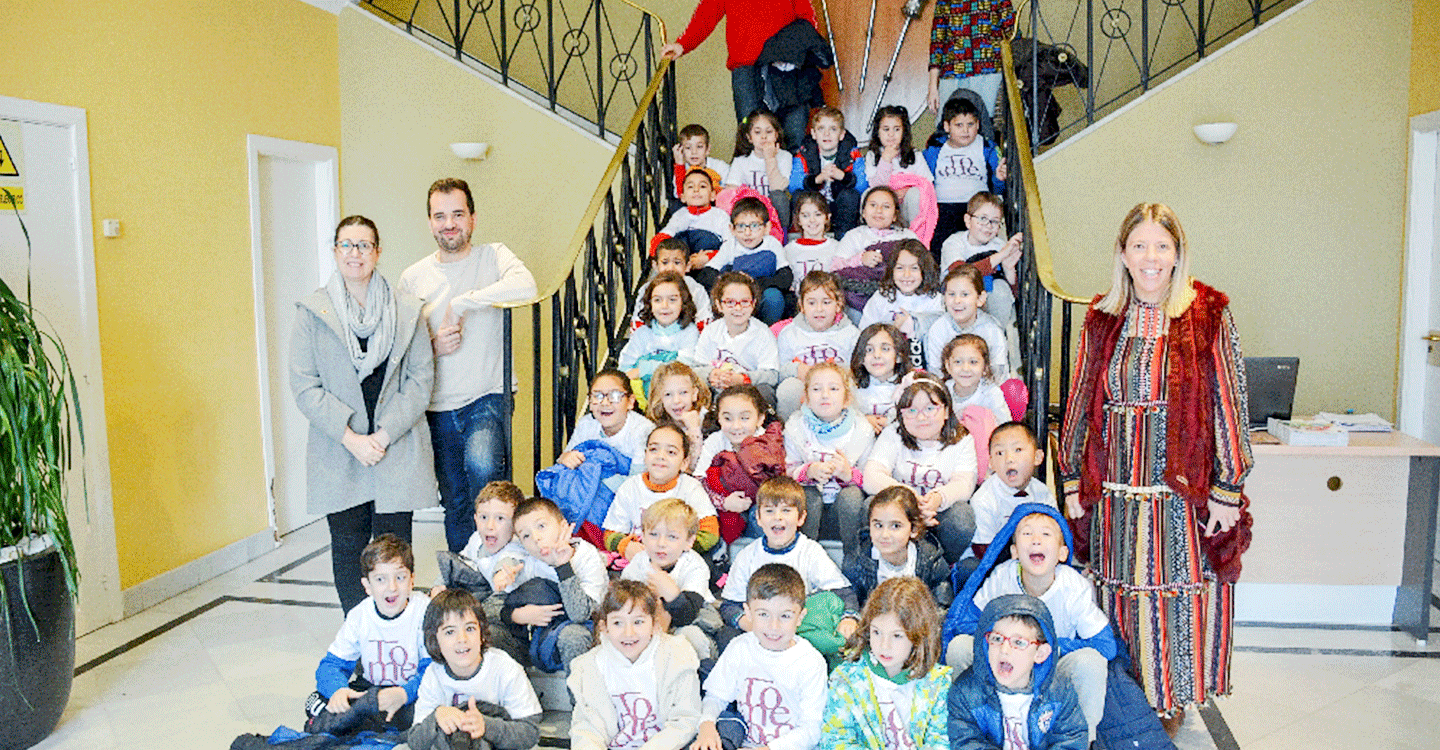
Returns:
(992, 162)
(964, 616)
(976, 717)
(581, 493)
(847, 157)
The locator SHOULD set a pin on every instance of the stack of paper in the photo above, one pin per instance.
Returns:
(1368, 422)
(1307, 432)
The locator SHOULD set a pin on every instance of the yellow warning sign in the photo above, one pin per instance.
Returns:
(7, 163)
(12, 198)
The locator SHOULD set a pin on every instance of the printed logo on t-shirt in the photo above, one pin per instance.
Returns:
(896, 733)
(958, 166)
(758, 179)
(921, 477)
(724, 356)
(766, 715)
(388, 663)
(803, 266)
(817, 353)
(638, 720)
(1015, 733)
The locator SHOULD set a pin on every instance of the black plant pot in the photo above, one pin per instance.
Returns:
(36, 668)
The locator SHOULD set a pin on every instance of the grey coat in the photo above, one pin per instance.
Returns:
(327, 390)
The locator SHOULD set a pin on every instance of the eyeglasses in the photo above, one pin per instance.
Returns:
(363, 247)
(748, 226)
(614, 397)
(735, 303)
(1019, 644)
(984, 221)
(928, 411)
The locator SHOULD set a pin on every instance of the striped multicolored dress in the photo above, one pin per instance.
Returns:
(1150, 572)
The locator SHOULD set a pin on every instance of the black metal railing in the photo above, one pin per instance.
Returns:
(594, 58)
(1115, 50)
(589, 310)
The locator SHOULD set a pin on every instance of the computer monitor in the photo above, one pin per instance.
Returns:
(1271, 381)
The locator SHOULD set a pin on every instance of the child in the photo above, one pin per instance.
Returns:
(891, 152)
(666, 459)
(882, 224)
(698, 223)
(612, 420)
(693, 152)
(964, 296)
(674, 255)
(894, 544)
(1009, 696)
(890, 692)
(820, 333)
(389, 677)
(761, 161)
(967, 370)
(879, 364)
(747, 450)
(995, 257)
(735, 349)
(933, 455)
(638, 687)
(776, 680)
(1014, 455)
(833, 609)
(814, 249)
(909, 297)
(492, 563)
(567, 582)
(672, 567)
(752, 250)
(1080, 632)
(963, 163)
(678, 396)
(475, 696)
(668, 316)
(825, 446)
(826, 163)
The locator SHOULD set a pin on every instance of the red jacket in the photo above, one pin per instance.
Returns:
(752, 22)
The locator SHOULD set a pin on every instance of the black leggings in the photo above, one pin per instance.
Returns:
(350, 530)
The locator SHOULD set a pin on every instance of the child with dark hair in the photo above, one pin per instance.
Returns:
(735, 460)
(735, 349)
(692, 151)
(567, 578)
(880, 362)
(474, 696)
(895, 543)
(754, 251)
(891, 153)
(385, 691)
(964, 163)
(698, 222)
(667, 313)
(670, 254)
(909, 296)
(813, 249)
(492, 563)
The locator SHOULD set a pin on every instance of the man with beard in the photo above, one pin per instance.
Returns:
(459, 286)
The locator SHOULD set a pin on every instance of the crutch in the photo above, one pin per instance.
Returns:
(912, 10)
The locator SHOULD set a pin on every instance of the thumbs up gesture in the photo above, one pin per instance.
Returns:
(447, 336)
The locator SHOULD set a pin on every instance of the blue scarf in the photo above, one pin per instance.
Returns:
(827, 430)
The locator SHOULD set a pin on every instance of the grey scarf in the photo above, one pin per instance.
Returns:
(375, 321)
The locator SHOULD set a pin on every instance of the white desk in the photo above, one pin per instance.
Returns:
(1358, 553)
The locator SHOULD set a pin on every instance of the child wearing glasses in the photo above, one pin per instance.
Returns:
(735, 349)
(753, 250)
(1010, 696)
(612, 420)
(982, 246)
(931, 453)
(1079, 636)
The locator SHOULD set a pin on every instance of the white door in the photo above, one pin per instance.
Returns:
(46, 145)
(293, 196)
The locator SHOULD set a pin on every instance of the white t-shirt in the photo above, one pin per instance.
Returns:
(931, 467)
(634, 497)
(994, 501)
(389, 651)
(1071, 598)
(858, 240)
(803, 446)
(878, 399)
(957, 247)
(470, 288)
(806, 556)
(919, 167)
(985, 326)
(960, 173)
(753, 351)
(634, 693)
(805, 256)
(1015, 718)
(715, 444)
(511, 554)
(749, 171)
(895, 702)
(798, 343)
(988, 395)
(923, 309)
(690, 572)
(589, 567)
(500, 680)
(630, 440)
(713, 220)
(780, 694)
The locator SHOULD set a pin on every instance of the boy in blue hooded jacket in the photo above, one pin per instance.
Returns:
(1010, 697)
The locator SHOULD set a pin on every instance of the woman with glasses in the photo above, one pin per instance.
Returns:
(1153, 456)
(932, 454)
(361, 368)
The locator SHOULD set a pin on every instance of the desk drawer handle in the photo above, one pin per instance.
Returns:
(1334, 483)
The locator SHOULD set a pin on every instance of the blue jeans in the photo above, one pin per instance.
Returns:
(771, 306)
(471, 450)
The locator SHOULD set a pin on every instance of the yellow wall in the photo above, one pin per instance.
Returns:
(170, 90)
(1299, 217)
(1425, 58)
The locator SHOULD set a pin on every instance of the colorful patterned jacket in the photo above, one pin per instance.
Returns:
(852, 713)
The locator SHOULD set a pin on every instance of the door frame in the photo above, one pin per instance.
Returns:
(1420, 259)
(326, 162)
(105, 604)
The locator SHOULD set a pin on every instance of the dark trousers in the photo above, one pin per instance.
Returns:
(748, 90)
(350, 531)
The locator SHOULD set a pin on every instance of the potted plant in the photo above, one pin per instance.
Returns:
(38, 576)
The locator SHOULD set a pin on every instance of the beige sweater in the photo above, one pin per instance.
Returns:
(594, 722)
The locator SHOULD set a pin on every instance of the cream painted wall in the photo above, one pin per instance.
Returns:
(1425, 58)
(1298, 218)
(171, 88)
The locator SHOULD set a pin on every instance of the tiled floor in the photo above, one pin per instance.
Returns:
(238, 655)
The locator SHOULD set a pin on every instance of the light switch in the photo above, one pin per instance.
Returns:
(111, 227)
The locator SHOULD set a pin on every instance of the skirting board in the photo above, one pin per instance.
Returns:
(1314, 603)
(144, 595)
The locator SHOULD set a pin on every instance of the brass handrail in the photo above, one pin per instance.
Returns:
(602, 189)
(1024, 158)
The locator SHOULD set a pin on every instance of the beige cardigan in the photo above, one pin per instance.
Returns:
(677, 685)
